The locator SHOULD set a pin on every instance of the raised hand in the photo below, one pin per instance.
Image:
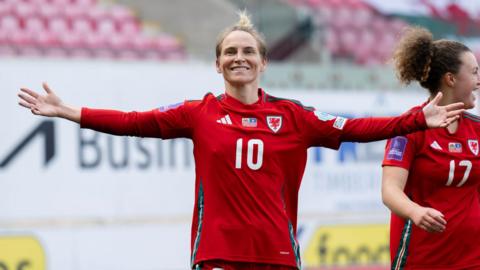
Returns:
(429, 219)
(441, 116)
(48, 104)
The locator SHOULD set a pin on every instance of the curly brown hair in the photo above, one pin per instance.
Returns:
(418, 57)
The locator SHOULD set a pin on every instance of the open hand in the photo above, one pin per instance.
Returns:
(442, 116)
(46, 105)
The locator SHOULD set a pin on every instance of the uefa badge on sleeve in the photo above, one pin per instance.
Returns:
(473, 146)
(274, 123)
(397, 148)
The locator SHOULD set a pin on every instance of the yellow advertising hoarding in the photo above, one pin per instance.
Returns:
(341, 245)
(21, 253)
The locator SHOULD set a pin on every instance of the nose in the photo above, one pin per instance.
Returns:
(239, 57)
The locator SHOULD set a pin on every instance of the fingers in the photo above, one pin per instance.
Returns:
(25, 104)
(455, 112)
(454, 106)
(30, 92)
(46, 87)
(29, 106)
(437, 98)
(449, 120)
(426, 228)
(441, 221)
(27, 98)
(432, 227)
(433, 221)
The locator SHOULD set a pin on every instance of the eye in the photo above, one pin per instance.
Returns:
(229, 52)
(249, 51)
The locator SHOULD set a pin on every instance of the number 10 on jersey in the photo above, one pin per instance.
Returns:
(251, 145)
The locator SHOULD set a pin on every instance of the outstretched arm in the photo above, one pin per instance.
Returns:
(378, 128)
(394, 180)
(173, 123)
(48, 104)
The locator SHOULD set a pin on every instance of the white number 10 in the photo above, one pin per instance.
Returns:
(250, 145)
(451, 173)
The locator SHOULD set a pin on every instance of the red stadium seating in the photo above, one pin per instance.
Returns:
(79, 28)
(353, 30)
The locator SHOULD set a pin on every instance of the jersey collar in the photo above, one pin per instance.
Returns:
(231, 101)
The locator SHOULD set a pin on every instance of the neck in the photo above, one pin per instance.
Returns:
(447, 97)
(247, 94)
(452, 128)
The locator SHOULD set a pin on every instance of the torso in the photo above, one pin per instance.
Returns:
(444, 174)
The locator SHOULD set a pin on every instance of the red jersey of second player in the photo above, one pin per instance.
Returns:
(249, 162)
(444, 174)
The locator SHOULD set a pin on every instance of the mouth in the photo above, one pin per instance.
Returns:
(239, 68)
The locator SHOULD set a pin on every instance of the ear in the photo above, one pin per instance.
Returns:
(449, 79)
(217, 65)
(263, 65)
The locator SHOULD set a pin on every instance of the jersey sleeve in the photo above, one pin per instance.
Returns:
(399, 152)
(165, 122)
(321, 129)
(380, 128)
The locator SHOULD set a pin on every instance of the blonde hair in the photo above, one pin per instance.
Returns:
(243, 24)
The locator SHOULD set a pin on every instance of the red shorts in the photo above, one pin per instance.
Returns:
(225, 265)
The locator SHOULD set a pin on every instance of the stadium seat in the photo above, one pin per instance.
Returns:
(34, 25)
(85, 3)
(73, 12)
(58, 26)
(10, 23)
(5, 9)
(105, 26)
(129, 28)
(24, 10)
(82, 26)
(49, 11)
(121, 14)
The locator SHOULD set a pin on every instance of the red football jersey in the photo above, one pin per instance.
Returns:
(444, 174)
(249, 162)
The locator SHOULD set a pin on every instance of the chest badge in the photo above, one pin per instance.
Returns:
(473, 146)
(274, 123)
(455, 147)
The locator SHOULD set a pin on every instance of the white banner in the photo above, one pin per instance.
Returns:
(95, 201)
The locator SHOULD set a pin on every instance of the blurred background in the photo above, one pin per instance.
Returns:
(76, 199)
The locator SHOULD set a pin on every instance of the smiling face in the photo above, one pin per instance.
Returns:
(240, 61)
(467, 80)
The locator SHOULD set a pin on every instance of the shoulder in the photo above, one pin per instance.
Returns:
(287, 102)
(208, 97)
(186, 106)
(473, 118)
(415, 109)
(473, 121)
